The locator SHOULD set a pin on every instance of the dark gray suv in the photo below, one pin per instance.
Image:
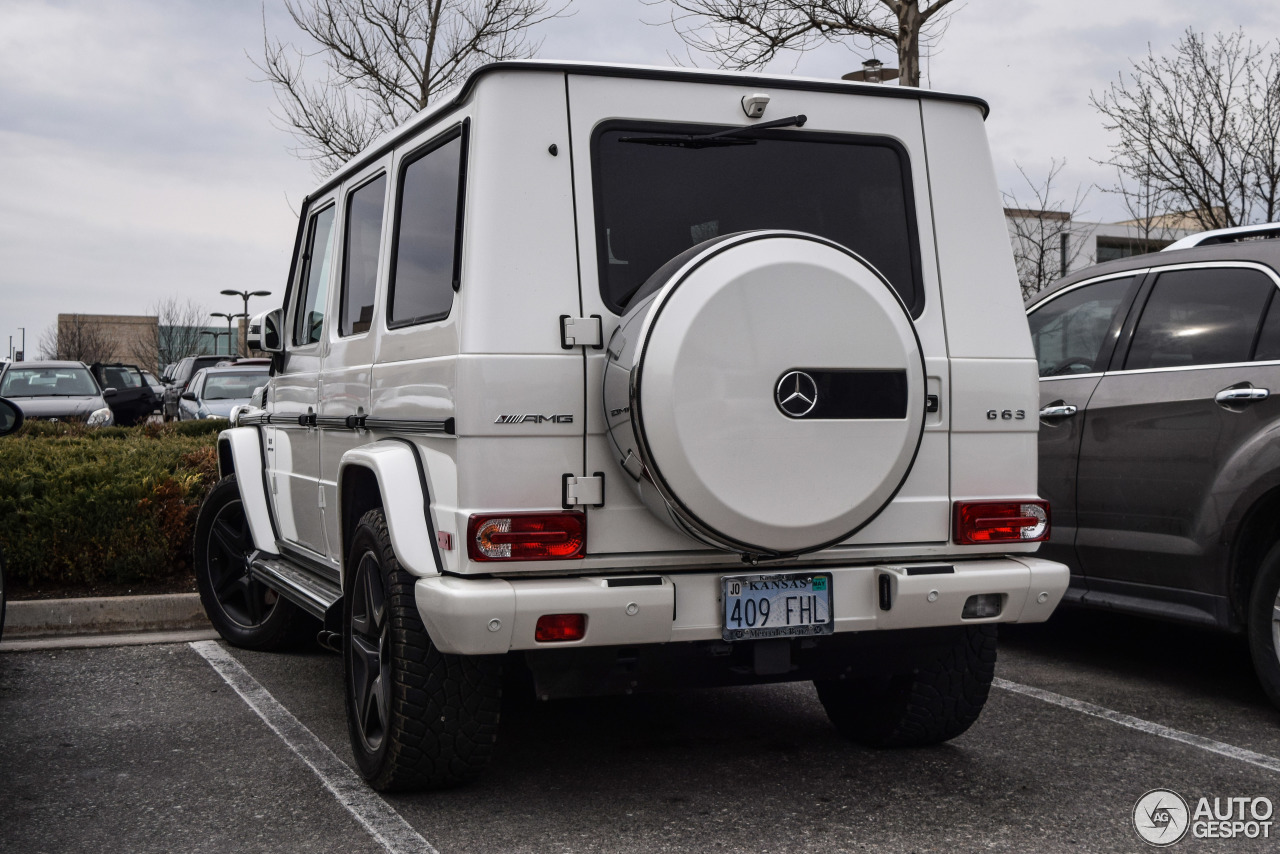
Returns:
(1160, 436)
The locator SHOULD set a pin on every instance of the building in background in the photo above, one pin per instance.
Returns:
(134, 339)
(1048, 244)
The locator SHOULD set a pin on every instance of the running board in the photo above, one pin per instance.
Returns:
(308, 591)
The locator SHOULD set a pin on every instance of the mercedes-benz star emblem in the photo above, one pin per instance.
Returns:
(797, 394)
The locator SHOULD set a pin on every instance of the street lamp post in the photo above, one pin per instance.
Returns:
(244, 295)
(229, 317)
(23, 330)
(216, 335)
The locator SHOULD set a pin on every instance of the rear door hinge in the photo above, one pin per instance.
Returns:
(582, 491)
(581, 332)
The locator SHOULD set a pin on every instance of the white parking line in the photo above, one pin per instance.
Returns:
(1230, 751)
(375, 815)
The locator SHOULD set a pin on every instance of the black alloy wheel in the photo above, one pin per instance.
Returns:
(369, 654)
(245, 611)
(418, 718)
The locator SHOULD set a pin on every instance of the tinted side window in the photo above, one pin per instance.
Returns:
(1199, 317)
(424, 261)
(360, 258)
(308, 319)
(1070, 332)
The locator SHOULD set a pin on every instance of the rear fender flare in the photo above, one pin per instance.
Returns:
(402, 485)
(240, 453)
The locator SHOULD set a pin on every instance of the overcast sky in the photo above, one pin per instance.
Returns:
(140, 159)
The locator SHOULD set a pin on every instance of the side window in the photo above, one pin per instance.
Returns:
(308, 319)
(360, 257)
(1199, 317)
(428, 225)
(1070, 332)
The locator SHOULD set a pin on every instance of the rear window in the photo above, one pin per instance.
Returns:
(655, 200)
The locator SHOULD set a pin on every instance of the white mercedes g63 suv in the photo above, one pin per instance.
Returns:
(631, 379)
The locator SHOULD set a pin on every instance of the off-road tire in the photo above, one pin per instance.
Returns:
(245, 612)
(440, 726)
(1262, 622)
(936, 701)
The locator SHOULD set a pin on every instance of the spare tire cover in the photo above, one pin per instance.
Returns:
(766, 392)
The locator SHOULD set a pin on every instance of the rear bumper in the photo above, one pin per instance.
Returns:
(493, 615)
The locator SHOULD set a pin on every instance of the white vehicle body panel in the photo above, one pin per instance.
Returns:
(245, 447)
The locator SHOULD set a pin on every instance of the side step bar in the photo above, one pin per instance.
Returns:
(308, 591)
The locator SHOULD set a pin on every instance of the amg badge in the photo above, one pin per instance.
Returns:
(533, 419)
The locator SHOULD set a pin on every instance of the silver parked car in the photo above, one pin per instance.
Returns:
(57, 391)
(214, 392)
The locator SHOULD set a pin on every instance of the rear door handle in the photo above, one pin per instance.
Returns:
(1058, 409)
(1230, 396)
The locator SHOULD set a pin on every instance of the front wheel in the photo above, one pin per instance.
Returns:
(936, 701)
(245, 611)
(418, 718)
(1264, 624)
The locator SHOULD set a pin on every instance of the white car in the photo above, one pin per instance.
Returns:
(642, 378)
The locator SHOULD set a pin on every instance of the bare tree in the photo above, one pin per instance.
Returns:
(1199, 128)
(745, 34)
(78, 338)
(1148, 206)
(175, 334)
(385, 60)
(1040, 230)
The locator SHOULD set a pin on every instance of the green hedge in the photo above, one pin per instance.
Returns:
(114, 505)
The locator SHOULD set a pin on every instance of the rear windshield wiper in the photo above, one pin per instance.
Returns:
(732, 136)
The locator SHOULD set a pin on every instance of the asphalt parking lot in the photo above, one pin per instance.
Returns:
(159, 748)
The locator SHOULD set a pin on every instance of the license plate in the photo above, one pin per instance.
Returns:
(767, 606)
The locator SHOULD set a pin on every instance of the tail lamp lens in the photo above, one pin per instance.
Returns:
(527, 536)
(556, 628)
(1001, 522)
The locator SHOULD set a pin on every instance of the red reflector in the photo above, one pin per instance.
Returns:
(527, 536)
(553, 628)
(1001, 522)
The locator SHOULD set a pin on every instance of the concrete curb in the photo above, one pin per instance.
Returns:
(170, 612)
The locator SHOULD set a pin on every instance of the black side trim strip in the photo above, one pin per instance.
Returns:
(347, 422)
(406, 426)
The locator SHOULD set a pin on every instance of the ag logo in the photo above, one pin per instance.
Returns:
(796, 394)
(1161, 817)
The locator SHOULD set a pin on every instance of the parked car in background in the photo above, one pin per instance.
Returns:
(134, 399)
(1160, 436)
(180, 373)
(214, 392)
(156, 385)
(11, 419)
(57, 391)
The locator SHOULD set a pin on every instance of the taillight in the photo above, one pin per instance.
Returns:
(527, 536)
(558, 628)
(1001, 522)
